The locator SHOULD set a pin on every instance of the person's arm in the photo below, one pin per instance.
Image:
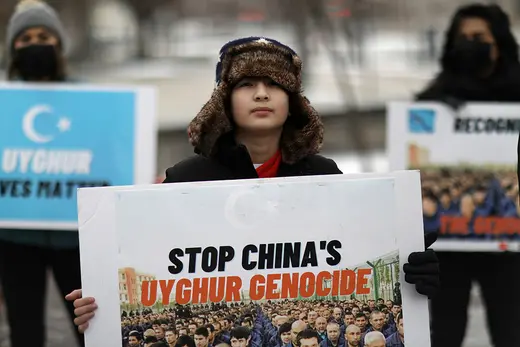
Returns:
(436, 92)
(173, 176)
(193, 169)
(334, 169)
(323, 166)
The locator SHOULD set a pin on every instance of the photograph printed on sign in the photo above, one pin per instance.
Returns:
(343, 306)
(257, 269)
(476, 202)
(468, 164)
(461, 202)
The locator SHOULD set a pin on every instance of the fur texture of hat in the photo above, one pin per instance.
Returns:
(259, 57)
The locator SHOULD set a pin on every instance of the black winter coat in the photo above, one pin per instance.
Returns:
(234, 163)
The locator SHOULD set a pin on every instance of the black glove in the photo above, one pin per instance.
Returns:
(454, 103)
(422, 268)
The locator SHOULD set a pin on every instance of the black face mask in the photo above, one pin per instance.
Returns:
(469, 57)
(35, 62)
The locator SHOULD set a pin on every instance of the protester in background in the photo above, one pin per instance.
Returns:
(480, 59)
(258, 124)
(36, 45)
(479, 63)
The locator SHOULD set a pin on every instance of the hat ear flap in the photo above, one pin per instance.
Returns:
(313, 131)
(218, 73)
(210, 123)
(298, 64)
(299, 143)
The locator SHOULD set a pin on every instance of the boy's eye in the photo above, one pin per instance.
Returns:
(273, 84)
(245, 84)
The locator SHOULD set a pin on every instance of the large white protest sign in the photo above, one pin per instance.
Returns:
(57, 138)
(468, 160)
(252, 243)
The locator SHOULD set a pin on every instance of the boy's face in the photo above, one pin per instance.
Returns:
(239, 342)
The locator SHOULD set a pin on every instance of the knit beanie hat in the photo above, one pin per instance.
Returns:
(258, 57)
(34, 13)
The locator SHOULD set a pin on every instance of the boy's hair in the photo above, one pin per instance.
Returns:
(284, 328)
(135, 334)
(240, 333)
(306, 334)
(202, 331)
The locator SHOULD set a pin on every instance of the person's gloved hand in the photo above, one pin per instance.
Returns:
(422, 268)
(454, 103)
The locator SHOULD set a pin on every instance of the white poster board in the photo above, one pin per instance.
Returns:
(468, 163)
(375, 218)
(57, 138)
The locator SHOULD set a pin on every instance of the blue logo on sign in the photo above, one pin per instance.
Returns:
(421, 121)
(53, 142)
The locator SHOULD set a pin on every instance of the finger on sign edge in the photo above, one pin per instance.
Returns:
(83, 302)
(85, 309)
(75, 294)
(83, 319)
(82, 328)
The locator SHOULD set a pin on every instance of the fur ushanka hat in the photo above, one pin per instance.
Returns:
(258, 57)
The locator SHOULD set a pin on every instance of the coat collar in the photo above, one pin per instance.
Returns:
(237, 159)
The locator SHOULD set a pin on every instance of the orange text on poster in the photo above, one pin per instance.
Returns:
(454, 225)
(261, 287)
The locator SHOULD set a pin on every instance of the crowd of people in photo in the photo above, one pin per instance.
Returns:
(468, 193)
(348, 323)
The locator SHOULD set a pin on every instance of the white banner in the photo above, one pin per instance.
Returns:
(468, 162)
(288, 242)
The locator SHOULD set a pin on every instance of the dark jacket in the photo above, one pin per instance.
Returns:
(53, 239)
(234, 163)
(394, 340)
